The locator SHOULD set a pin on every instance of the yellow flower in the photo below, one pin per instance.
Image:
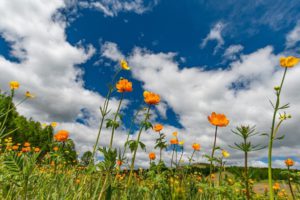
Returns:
(53, 124)
(124, 65)
(29, 95)
(14, 85)
(289, 61)
(225, 154)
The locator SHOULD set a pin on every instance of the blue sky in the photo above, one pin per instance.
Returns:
(201, 56)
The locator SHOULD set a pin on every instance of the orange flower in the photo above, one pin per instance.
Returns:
(55, 148)
(61, 136)
(124, 86)
(152, 156)
(151, 98)
(158, 127)
(119, 162)
(218, 119)
(289, 162)
(36, 149)
(26, 149)
(26, 144)
(276, 186)
(174, 141)
(77, 181)
(15, 147)
(14, 85)
(289, 61)
(196, 147)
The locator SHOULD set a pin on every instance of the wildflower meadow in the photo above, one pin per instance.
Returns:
(39, 161)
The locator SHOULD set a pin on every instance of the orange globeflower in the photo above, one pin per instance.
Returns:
(14, 85)
(276, 186)
(151, 98)
(289, 61)
(196, 146)
(26, 149)
(26, 144)
(289, 162)
(174, 141)
(36, 149)
(15, 147)
(119, 162)
(55, 148)
(152, 156)
(124, 85)
(158, 127)
(61, 136)
(218, 119)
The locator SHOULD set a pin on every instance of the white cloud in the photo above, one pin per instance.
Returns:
(112, 8)
(48, 67)
(232, 51)
(111, 51)
(293, 37)
(194, 93)
(215, 34)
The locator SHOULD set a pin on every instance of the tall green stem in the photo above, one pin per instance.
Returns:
(191, 158)
(129, 132)
(271, 138)
(290, 184)
(212, 154)
(115, 119)
(246, 175)
(137, 144)
(104, 112)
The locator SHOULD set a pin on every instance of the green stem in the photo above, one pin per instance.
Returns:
(191, 158)
(271, 139)
(115, 119)
(246, 175)
(290, 184)
(220, 173)
(104, 112)
(212, 155)
(172, 157)
(135, 150)
(129, 132)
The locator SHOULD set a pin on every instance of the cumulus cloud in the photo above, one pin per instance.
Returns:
(48, 67)
(111, 8)
(232, 51)
(215, 34)
(241, 91)
(110, 50)
(293, 37)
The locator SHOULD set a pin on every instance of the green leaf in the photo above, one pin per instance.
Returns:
(280, 138)
(143, 146)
